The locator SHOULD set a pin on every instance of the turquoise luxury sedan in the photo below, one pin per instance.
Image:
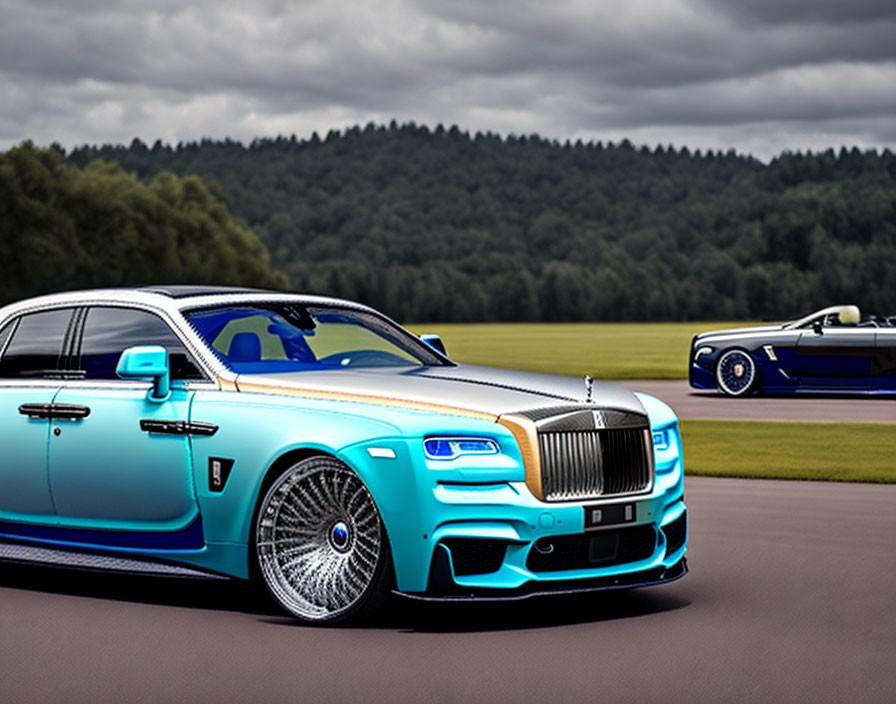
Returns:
(317, 446)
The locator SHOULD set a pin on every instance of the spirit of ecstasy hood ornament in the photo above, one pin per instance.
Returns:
(589, 387)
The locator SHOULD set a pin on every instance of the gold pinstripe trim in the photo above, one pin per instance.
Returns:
(526, 436)
(425, 406)
(226, 385)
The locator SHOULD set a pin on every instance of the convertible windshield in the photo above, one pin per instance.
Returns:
(286, 337)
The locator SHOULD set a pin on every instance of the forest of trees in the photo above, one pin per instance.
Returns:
(63, 228)
(437, 224)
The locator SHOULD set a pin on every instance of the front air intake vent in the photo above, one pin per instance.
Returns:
(585, 551)
(476, 555)
(676, 533)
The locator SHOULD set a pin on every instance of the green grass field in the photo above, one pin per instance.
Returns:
(603, 350)
(849, 452)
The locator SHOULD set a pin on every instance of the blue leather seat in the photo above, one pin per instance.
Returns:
(245, 347)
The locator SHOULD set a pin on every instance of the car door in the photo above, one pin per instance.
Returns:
(30, 351)
(836, 358)
(110, 466)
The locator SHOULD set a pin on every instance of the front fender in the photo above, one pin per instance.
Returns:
(253, 432)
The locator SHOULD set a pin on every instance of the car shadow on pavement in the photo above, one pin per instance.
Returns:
(402, 615)
(539, 612)
(408, 616)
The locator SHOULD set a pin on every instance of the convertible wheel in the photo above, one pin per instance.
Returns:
(322, 550)
(736, 373)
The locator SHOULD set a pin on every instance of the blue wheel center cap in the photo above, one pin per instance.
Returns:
(340, 536)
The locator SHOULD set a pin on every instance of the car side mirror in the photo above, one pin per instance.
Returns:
(147, 362)
(818, 327)
(435, 342)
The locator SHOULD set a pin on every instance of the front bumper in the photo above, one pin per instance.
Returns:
(700, 377)
(519, 548)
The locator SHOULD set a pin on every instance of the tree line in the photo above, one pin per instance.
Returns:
(438, 224)
(62, 227)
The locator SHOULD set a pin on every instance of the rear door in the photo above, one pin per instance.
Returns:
(122, 464)
(31, 353)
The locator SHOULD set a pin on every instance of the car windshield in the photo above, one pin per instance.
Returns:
(264, 338)
(832, 316)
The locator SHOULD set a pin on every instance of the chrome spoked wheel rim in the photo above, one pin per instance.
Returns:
(735, 373)
(319, 540)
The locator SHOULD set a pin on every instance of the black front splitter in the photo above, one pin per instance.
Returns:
(648, 578)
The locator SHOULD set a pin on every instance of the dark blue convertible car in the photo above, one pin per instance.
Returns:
(832, 350)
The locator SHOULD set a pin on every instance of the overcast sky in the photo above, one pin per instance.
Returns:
(759, 76)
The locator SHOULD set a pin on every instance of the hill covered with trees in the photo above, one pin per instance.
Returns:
(62, 227)
(443, 225)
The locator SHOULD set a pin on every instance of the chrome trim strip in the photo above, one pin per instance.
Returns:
(197, 385)
(177, 427)
(713, 339)
(107, 384)
(16, 552)
(8, 337)
(31, 383)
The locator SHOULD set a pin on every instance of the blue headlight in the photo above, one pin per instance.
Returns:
(450, 448)
(661, 440)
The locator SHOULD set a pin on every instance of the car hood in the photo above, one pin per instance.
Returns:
(462, 390)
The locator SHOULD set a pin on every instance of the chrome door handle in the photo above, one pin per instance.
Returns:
(36, 410)
(68, 411)
(177, 427)
(54, 410)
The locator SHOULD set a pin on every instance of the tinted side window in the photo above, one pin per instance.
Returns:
(34, 349)
(110, 331)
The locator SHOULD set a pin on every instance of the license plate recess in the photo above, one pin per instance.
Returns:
(600, 515)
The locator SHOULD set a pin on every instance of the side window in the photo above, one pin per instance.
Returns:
(110, 331)
(35, 345)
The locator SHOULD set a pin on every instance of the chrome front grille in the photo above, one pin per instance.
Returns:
(583, 464)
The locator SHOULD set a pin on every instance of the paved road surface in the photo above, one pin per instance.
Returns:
(790, 599)
(692, 403)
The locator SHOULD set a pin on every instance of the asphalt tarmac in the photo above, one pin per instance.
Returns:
(691, 403)
(790, 599)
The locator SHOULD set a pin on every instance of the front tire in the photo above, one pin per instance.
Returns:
(320, 543)
(736, 373)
